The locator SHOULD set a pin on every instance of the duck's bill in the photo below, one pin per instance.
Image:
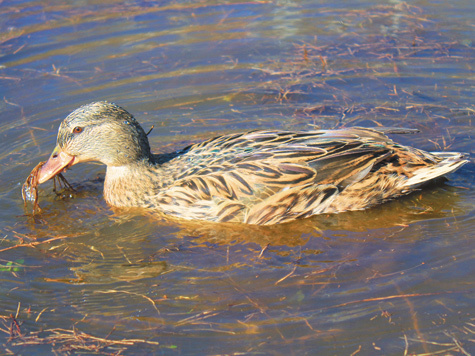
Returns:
(57, 163)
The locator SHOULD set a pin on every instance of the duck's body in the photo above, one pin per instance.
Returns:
(258, 177)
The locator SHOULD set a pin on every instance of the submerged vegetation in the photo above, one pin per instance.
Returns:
(83, 279)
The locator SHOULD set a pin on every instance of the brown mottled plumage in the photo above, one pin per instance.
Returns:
(257, 177)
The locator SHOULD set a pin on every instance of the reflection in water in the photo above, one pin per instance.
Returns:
(103, 273)
(392, 280)
(73, 215)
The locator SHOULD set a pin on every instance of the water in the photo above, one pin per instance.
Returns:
(393, 280)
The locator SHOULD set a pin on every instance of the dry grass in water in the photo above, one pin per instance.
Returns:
(64, 341)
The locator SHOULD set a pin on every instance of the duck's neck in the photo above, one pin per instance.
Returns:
(131, 185)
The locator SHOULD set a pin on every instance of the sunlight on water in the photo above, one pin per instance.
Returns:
(393, 280)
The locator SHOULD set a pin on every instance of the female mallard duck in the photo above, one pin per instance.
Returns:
(257, 177)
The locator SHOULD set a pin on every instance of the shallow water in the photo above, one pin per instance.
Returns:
(393, 280)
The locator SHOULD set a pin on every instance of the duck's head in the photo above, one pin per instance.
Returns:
(99, 131)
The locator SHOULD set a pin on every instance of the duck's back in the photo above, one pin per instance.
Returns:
(268, 177)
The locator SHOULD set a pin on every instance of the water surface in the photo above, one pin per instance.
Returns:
(393, 280)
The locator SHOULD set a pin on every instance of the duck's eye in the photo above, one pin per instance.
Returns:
(77, 129)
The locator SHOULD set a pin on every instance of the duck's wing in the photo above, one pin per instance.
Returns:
(267, 177)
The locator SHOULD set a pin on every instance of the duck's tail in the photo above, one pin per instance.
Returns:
(450, 162)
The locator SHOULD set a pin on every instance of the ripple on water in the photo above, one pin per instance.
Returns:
(359, 282)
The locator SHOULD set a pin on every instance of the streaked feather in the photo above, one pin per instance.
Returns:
(258, 177)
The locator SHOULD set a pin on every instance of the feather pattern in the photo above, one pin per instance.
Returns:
(258, 177)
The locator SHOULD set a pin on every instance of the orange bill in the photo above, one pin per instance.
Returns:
(57, 162)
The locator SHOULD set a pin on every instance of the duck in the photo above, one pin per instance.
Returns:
(260, 177)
